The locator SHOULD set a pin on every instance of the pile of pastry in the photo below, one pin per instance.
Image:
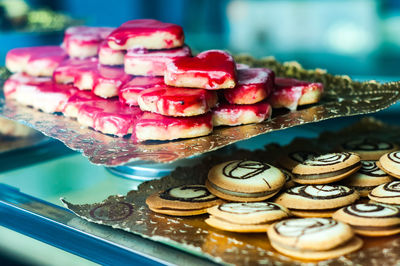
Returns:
(334, 197)
(141, 79)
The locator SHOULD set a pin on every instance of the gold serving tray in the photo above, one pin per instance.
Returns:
(342, 97)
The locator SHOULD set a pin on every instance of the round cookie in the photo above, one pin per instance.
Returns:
(370, 219)
(316, 200)
(313, 238)
(293, 158)
(326, 168)
(244, 181)
(386, 193)
(368, 148)
(245, 217)
(367, 178)
(185, 200)
(390, 163)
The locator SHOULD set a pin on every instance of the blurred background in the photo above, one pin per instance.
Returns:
(355, 37)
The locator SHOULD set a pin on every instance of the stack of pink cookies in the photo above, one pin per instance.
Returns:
(142, 79)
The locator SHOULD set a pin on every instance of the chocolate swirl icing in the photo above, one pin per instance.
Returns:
(328, 159)
(372, 210)
(370, 168)
(367, 144)
(188, 193)
(301, 156)
(306, 226)
(244, 169)
(394, 156)
(392, 187)
(320, 192)
(249, 207)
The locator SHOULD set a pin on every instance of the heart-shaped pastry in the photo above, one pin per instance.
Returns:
(147, 33)
(213, 69)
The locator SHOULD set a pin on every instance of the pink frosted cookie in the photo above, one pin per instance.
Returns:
(147, 33)
(140, 61)
(213, 69)
(290, 93)
(254, 85)
(40, 93)
(172, 101)
(87, 74)
(68, 71)
(36, 61)
(153, 126)
(129, 93)
(108, 116)
(111, 57)
(77, 100)
(232, 114)
(84, 41)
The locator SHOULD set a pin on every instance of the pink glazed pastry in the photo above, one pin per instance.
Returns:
(84, 41)
(254, 85)
(35, 61)
(143, 62)
(290, 93)
(147, 33)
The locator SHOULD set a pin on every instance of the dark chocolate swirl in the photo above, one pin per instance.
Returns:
(370, 168)
(367, 144)
(244, 169)
(320, 192)
(249, 207)
(188, 193)
(328, 159)
(372, 210)
(303, 226)
(301, 156)
(394, 156)
(392, 187)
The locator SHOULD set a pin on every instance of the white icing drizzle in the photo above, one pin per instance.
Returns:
(304, 226)
(328, 159)
(372, 210)
(370, 168)
(249, 207)
(394, 156)
(193, 193)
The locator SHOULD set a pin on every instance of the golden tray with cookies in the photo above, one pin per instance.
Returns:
(322, 201)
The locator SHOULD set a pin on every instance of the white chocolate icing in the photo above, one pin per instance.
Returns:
(328, 159)
(394, 156)
(306, 226)
(371, 169)
(249, 207)
(191, 193)
(372, 210)
(320, 192)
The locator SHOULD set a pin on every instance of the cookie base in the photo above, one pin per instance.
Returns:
(240, 228)
(352, 245)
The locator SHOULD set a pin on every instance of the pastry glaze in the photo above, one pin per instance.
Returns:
(212, 69)
(288, 92)
(172, 101)
(141, 61)
(129, 92)
(254, 85)
(146, 28)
